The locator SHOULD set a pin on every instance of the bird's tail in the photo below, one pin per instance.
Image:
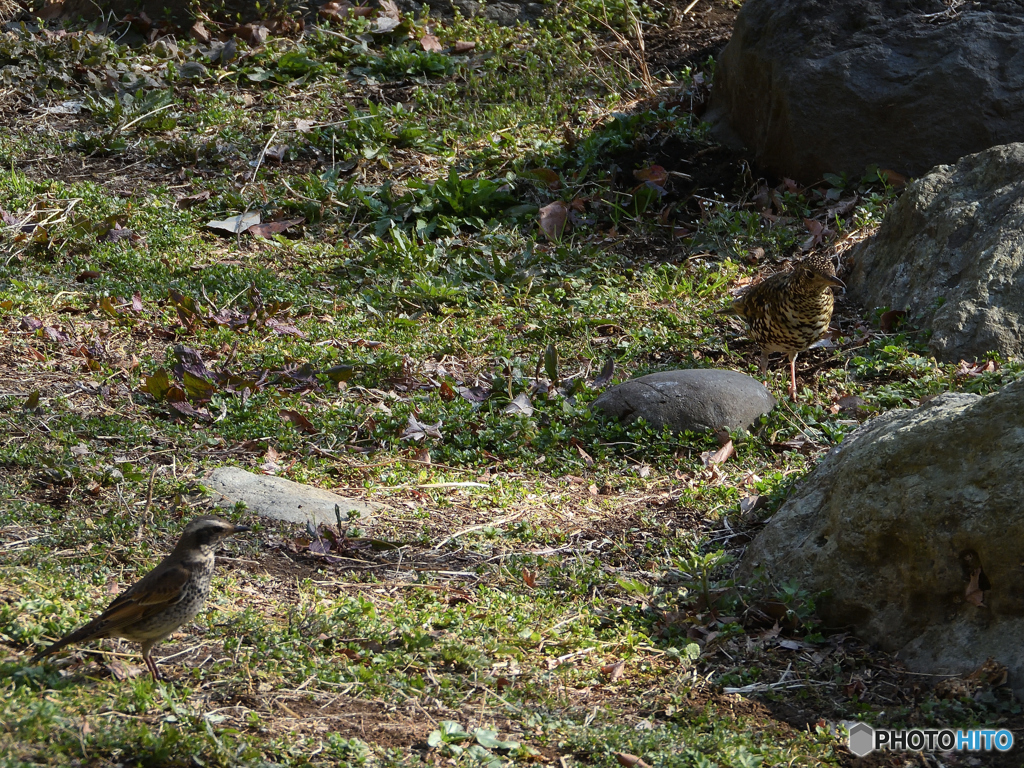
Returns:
(88, 632)
(52, 648)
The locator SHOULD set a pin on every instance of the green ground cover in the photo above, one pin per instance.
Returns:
(467, 245)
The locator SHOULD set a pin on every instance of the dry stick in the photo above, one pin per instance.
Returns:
(472, 528)
(613, 60)
(645, 74)
(640, 58)
(806, 427)
(389, 462)
(143, 117)
(259, 160)
(346, 38)
(149, 494)
(690, 7)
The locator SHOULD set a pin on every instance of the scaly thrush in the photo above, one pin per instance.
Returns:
(790, 310)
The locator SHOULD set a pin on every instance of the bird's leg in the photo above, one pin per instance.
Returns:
(148, 658)
(764, 361)
(792, 376)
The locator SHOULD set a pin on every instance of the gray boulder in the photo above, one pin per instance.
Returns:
(915, 526)
(815, 86)
(951, 252)
(694, 399)
(277, 498)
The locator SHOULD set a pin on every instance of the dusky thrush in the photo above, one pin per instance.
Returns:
(790, 310)
(165, 598)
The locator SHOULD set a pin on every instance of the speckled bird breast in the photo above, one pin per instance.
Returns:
(193, 597)
(788, 322)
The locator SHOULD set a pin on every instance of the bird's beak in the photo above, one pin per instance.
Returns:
(241, 529)
(835, 281)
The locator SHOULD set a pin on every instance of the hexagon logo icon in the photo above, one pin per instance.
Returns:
(862, 739)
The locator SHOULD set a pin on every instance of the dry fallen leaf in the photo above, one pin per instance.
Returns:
(654, 174)
(817, 230)
(235, 225)
(975, 369)
(614, 670)
(521, 405)
(891, 177)
(854, 688)
(552, 220)
(189, 200)
(549, 177)
(385, 24)
(431, 43)
(630, 761)
(271, 228)
(891, 319)
(121, 671)
(334, 10)
(587, 459)
(720, 456)
(200, 34)
(991, 672)
(299, 421)
(417, 430)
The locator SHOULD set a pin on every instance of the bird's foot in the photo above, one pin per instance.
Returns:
(157, 675)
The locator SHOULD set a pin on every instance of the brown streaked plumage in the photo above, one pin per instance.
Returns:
(165, 598)
(790, 310)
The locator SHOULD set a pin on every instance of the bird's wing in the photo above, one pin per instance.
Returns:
(159, 589)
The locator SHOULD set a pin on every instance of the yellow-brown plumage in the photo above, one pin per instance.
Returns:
(790, 310)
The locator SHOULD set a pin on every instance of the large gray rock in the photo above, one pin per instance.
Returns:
(277, 498)
(815, 86)
(951, 252)
(894, 523)
(692, 399)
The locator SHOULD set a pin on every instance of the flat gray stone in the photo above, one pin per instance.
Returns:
(691, 399)
(279, 499)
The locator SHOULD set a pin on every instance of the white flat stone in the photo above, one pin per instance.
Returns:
(279, 499)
